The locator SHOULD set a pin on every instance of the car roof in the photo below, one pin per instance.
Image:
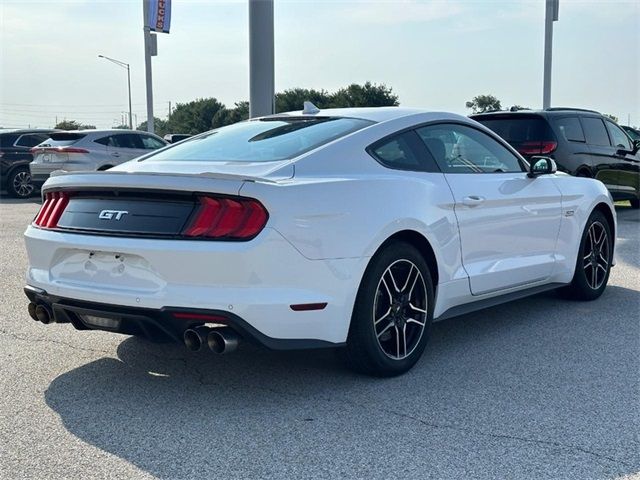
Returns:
(548, 111)
(22, 131)
(102, 131)
(374, 114)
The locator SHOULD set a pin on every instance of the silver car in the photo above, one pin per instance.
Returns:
(89, 150)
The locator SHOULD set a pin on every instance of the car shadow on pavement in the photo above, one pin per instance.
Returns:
(541, 387)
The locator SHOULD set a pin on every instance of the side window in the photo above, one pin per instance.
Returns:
(31, 140)
(151, 143)
(462, 149)
(618, 136)
(108, 141)
(123, 141)
(595, 131)
(402, 152)
(570, 128)
(8, 140)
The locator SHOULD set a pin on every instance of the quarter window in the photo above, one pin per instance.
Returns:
(570, 128)
(462, 149)
(620, 139)
(399, 152)
(151, 143)
(595, 132)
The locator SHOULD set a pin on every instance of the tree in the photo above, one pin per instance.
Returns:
(516, 108)
(159, 125)
(73, 125)
(227, 116)
(484, 103)
(121, 127)
(294, 98)
(193, 117)
(612, 117)
(367, 95)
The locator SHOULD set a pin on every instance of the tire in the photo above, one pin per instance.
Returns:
(19, 184)
(587, 285)
(395, 296)
(635, 203)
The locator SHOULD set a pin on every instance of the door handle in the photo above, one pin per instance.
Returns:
(115, 154)
(472, 200)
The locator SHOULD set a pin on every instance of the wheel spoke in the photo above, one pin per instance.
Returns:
(603, 269)
(417, 309)
(384, 282)
(389, 325)
(408, 278)
(404, 338)
(413, 320)
(397, 342)
(383, 317)
(591, 239)
(393, 280)
(601, 238)
(601, 257)
(594, 278)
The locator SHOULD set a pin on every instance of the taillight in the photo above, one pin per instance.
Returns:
(52, 209)
(227, 218)
(36, 150)
(537, 148)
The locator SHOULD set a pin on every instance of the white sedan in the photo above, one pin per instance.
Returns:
(352, 228)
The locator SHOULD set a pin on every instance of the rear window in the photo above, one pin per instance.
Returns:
(518, 129)
(7, 140)
(262, 140)
(62, 139)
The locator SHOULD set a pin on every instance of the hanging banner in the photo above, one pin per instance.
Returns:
(159, 15)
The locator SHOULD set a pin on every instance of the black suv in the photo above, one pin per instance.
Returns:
(582, 142)
(15, 156)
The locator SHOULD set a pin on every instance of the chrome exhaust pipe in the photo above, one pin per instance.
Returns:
(222, 340)
(195, 338)
(43, 314)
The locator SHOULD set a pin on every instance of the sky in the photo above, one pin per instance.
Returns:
(434, 54)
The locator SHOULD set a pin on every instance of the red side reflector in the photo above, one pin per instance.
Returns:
(303, 307)
(200, 317)
(228, 218)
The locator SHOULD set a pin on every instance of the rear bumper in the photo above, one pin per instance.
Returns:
(167, 322)
(254, 283)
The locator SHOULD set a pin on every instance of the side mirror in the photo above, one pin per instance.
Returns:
(542, 166)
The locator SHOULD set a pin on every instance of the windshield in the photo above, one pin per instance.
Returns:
(262, 140)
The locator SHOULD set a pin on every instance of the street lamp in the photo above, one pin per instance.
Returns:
(123, 65)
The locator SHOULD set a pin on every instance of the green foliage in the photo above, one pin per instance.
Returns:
(293, 99)
(159, 125)
(483, 103)
(206, 113)
(367, 95)
(73, 125)
(612, 117)
(121, 127)
(193, 117)
(227, 116)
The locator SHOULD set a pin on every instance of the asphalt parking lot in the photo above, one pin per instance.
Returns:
(540, 388)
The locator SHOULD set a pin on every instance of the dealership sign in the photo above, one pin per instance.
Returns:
(159, 15)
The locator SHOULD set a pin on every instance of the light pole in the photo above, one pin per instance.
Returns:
(551, 15)
(123, 65)
(261, 58)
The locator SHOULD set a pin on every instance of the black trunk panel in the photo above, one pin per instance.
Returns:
(127, 215)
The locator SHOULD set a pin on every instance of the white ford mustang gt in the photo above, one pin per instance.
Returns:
(351, 228)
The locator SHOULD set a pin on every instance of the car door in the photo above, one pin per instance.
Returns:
(627, 163)
(123, 147)
(508, 222)
(603, 158)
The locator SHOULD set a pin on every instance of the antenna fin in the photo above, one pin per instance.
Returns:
(309, 108)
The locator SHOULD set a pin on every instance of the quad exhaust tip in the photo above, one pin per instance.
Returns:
(219, 340)
(40, 313)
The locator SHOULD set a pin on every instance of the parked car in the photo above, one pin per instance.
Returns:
(632, 132)
(176, 137)
(89, 150)
(15, 156)
(582, 142)
(350, 228)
